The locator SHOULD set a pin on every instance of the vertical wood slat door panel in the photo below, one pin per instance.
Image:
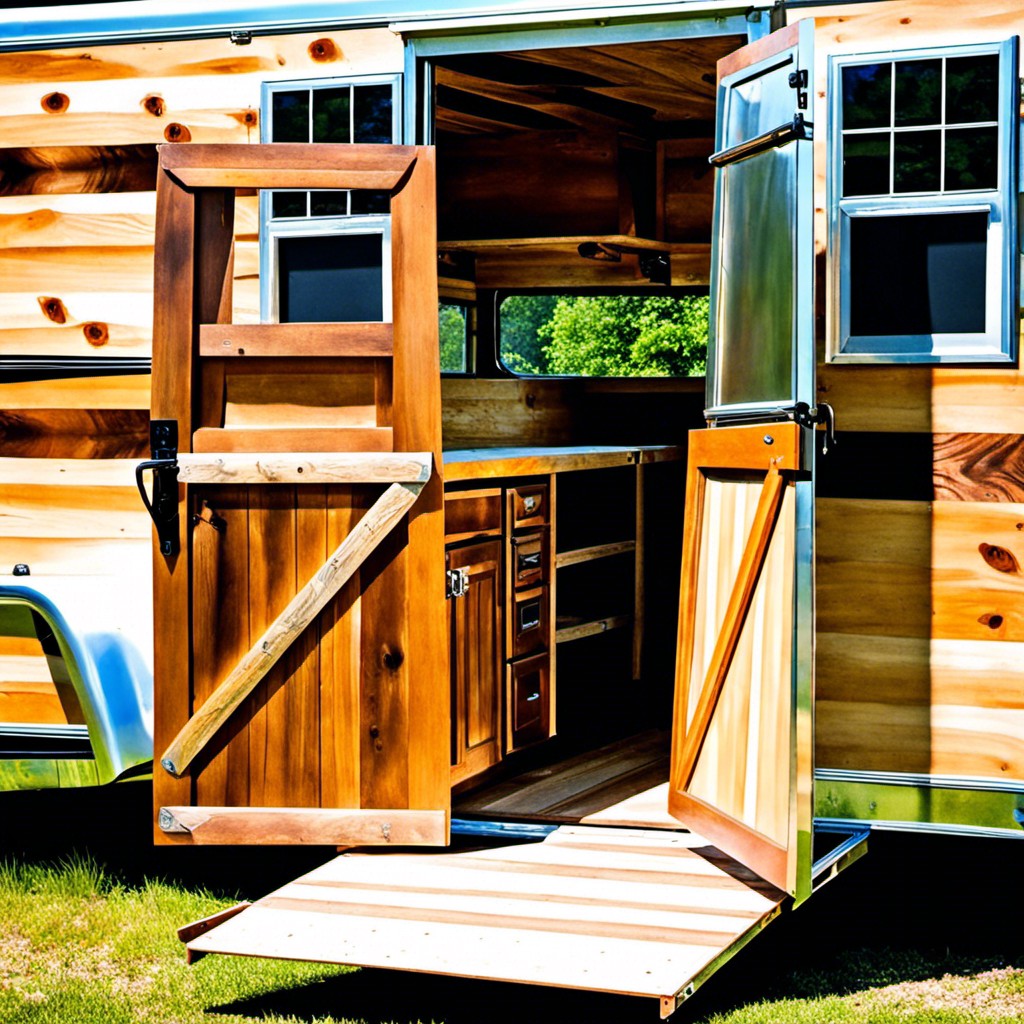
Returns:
(354, 715)
(734, 769)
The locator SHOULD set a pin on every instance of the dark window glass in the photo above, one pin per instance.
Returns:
(288, 204)
(972, 88)
(328, 204)
(914, 275)
(866, 164)
(972, 158)
(331, 278)
(291, 117)
(918, 92)
(866, 96)
(331, 115)
(368, 201)
(916, 164)
(373, 113)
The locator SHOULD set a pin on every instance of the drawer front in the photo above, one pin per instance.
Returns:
(472, 513)
(529, 621)
(528, 505)
(529, 701)
(529, 554)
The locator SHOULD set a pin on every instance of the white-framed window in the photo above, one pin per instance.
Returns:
(923, 205)
(325, 255)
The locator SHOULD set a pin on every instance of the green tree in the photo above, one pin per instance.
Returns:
(626, 336)
(451, 324)
(522, 318)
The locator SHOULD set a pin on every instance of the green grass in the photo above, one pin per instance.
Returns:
(79, 946)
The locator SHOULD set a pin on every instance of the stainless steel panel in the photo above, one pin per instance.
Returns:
(760, 102)
(756, 279)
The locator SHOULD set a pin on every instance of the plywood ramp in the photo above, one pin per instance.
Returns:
(628, 911)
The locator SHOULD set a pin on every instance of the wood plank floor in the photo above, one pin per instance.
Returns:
(584, 785)
(630, 911)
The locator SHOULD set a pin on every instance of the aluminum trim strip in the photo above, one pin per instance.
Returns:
(920, 780)
(933, 828)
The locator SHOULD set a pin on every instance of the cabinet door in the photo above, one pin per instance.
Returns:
(475, 620)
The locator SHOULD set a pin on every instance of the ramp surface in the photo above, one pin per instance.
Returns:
(630, 911)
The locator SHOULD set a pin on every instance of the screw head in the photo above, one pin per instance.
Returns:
(21, 569)
(768, 439)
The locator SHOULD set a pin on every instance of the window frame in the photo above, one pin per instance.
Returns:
(997, 343)
(273, 229)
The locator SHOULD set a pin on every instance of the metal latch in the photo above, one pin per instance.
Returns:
(456, 583)
(163, 509)
(803, 414)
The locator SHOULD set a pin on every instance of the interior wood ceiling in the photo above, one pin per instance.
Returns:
(657, 89)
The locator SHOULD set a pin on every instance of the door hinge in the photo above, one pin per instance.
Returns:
(456, 583)
(163, 509)
(799, 80)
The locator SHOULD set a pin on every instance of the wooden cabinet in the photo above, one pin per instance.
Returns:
(474, 621)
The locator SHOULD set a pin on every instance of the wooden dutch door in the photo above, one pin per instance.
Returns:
(301, 659)
(741, 758)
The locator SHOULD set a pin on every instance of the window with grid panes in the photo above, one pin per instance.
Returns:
(923, 205)
(325, 255)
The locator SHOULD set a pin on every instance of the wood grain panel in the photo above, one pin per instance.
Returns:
(75, 433)
(129, 391)
(63, 308)
(277, 400)
(363, 51)
(92, 340)
(874, 567)
(978, 570)
(54, 511)
(122, 218)
(74, 169)
(979, 467)
(78, 268)
(480, 413)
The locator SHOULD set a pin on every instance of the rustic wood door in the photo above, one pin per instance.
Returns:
(301, 670)
(741, 751)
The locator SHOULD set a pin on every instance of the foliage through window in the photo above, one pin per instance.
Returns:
(922, 214)
(453, 331)
(604, 335)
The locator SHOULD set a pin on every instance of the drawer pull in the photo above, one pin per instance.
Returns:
(529, 561)
(530, 502)
(529, 616)
(533, 696)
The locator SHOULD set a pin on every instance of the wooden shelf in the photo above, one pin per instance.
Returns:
(622, 547)
(558, 262)
(578, 631)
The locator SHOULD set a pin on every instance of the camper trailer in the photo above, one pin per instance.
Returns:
(323, 503)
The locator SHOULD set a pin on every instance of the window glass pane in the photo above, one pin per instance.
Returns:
(917, 274)
(373, 113)
(367, 201)
(452, 330)
(918, 92)
(866, 164)
(972, 88)
(328, 204)
(288, 204)
(331, 115)
(331, 278)
(290, 121)
(972, 158)
(604, 336)
(916, 165)
(866, 96)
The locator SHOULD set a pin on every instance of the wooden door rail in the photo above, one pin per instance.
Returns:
(302, 340)
(364, 537)
(740, 599)
(323, 826)
(304, 467)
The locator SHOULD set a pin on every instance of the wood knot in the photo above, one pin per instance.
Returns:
(324, 50)
(991, 619)
(177, 133)
(155, 105)
(55, 103)
(96, 334)
(904, 21)
(250, 118)
(999, 558)
(391, 659)
(53, 309)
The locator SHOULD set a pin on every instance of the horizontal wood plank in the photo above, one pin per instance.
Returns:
(306, 826)
(127, 391)
(564, 558)
(592, 628)
(75, 433)
(979, 467)
(305, 468)
(297, 339)
(292, 439)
